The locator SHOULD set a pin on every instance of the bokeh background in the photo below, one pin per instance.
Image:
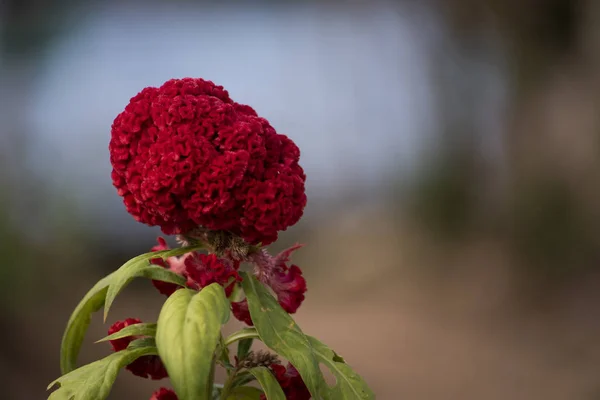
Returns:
(452, 149)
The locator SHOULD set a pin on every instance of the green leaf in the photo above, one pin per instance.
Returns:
(349, 385)
(97, 296)
(143, 342)
(245, 337)
(281, 334)
(236, 293)
(242, 378)
(223, 359)
(79, 322)
(246, 333)
(140, 266)
(141, 329)
(94, 381)
(245, 393)
(188, 333)
(268, 383)
(243, 348)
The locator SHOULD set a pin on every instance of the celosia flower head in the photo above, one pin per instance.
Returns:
(185, 155)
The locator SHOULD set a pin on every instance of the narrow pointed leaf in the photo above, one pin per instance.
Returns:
(281, 334)
(268, 382)
(79, 323)
(94, 381)
(140, 266)
(187, 336)
(141, 329)
(349, 385)
(243, 348)
(143, 342)
(246, 333)
(94, 300)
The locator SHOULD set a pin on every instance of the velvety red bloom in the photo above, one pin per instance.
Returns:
(164, 394)
(186, 155)
(121, 344)
(241, 312)
(287, 282)
(150, 367)
(145, 366)
(289, 285)
(166, 288)
(290, 381)
(204, 269)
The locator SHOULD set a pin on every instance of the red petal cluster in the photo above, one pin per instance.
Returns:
(121, 344)
(200, 270)
(186, 155)
(145, 366)
(287, 282)
(164, 394)
(241, 312)
(204, 269)
(290, 381)
(289, 285)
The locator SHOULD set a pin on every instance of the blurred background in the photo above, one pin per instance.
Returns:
(452, 149)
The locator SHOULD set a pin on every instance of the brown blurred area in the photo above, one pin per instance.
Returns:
(474, 276)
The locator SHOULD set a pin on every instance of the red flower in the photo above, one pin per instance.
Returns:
(241, 312)
(204, 269)
(287, 283)
(200, 270)
(145, 366)
(148, 367)
(290, 286)
(164, 394)
(121, 344)
(290, 381)
(186, 155)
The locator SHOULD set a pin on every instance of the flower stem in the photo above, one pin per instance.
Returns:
(228, 385)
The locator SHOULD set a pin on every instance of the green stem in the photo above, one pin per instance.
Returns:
(232, 381)
(228, 385)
